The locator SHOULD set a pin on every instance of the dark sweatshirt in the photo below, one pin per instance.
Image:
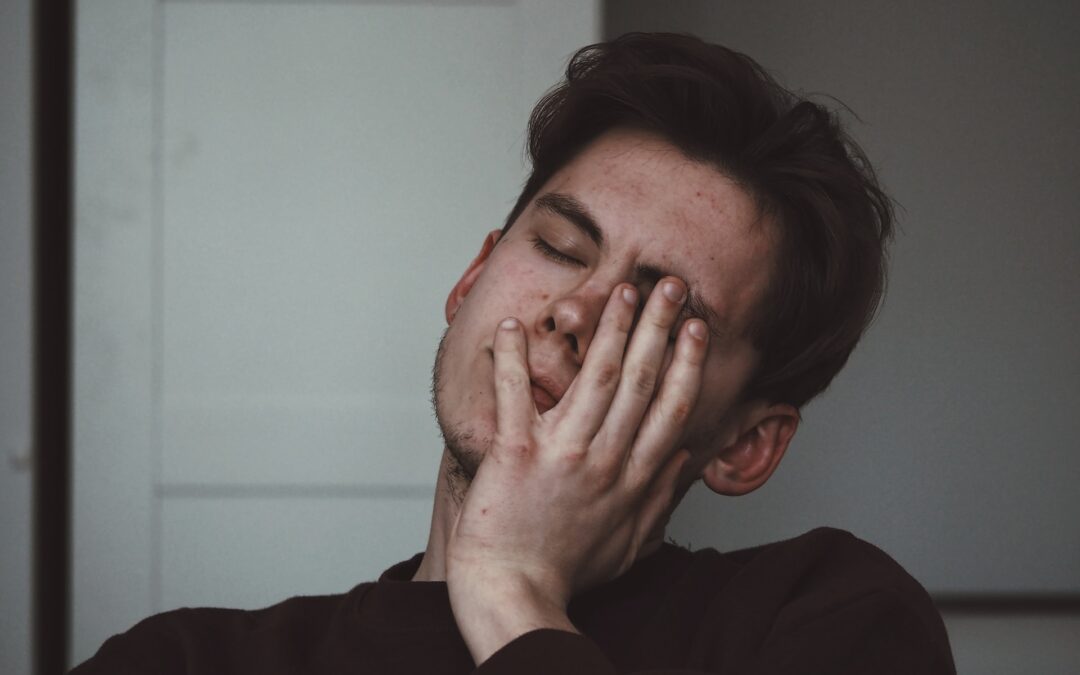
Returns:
(824, 602)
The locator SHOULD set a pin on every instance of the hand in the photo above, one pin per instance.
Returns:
(566, 500)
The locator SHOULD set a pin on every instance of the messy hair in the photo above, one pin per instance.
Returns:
(809, 179)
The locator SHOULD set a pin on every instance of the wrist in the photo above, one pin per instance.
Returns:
(493, 609)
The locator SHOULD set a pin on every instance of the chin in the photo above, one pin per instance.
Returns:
(464, 449)
(466, 446)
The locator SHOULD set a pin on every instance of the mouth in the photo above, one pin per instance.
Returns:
(544, 401)
(545, 393)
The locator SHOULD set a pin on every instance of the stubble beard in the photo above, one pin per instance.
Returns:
(463, 449)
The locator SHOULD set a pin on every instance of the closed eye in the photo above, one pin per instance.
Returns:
(555, 254)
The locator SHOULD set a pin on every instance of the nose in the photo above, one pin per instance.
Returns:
(572, 319)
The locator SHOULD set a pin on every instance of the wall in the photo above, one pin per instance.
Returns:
(951, 438)
(941, 389)
(272, 201)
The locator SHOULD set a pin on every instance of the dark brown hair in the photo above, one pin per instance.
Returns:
(807, 175)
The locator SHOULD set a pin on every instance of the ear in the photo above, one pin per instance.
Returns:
(753, 449)
(472, 272)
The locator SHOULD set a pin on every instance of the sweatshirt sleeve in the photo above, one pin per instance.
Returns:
(547, 652)
(875, 633)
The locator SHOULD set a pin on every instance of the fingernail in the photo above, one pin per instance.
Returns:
(629, 295)
(673, 291)
(697, 329)
(508, 324)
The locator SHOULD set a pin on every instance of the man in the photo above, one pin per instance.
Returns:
(692, 259)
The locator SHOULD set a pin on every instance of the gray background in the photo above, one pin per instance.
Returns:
(951, 438)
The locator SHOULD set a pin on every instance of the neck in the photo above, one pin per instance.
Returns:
(449, 491)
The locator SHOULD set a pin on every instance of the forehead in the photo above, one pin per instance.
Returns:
(658, 207)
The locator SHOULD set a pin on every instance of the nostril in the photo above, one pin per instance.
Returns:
(549, 325)
(573, 342)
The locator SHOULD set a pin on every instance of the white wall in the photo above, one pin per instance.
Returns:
(951, 439)
(272, 200)
(15, 327)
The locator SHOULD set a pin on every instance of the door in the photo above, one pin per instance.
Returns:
(272, 201)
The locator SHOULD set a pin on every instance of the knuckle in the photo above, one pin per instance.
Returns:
(606, 374)
(677, 409)
(519, 449)
(640, 478)
(661, 322)
(514, 447)
(602, 475)
(624, 321)
(616, 319)
(512, 380)
(574, 457)
(643, 380)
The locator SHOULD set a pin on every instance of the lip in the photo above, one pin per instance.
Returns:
(545, 392)
(544, 401)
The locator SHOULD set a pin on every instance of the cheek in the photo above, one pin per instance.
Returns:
(508, 289)
(723, 380)
(472, 332)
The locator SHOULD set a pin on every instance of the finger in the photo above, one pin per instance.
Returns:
(589, 397)
(515, 409)
(669, 412)
(643, 362)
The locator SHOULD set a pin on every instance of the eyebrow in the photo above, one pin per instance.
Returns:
(573, 211)
(577, 214)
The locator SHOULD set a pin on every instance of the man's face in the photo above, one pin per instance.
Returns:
(629, 208)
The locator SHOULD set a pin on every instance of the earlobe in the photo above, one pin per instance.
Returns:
(472, 272)
(746, 463)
